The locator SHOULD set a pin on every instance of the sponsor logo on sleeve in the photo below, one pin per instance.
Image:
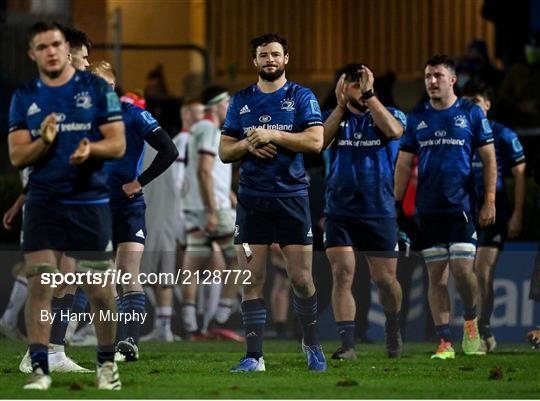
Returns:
(486, 126)
(400, 116)
(315, 109)
(516, 145)
(113, 103)
(148, 117)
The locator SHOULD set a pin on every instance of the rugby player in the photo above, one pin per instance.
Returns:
(64, 124)
(445, 132)
(508, 223)
(268, 127)
(363, 141)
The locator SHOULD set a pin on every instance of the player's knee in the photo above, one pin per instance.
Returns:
(300, 277)
(482, 274)
(438, 277)
(384, 282)
(462, 250)
(302, 286)
(342, 276)
(252, 291)
(463, 273)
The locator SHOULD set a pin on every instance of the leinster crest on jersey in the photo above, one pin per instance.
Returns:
(83, 99)
(287, 104)
(460, 121)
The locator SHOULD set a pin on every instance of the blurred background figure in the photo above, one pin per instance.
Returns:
(477, 65)
(518, 98)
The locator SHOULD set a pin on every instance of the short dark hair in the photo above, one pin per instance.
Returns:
(351, 71)
(475, 87)
(441, 59)
(268, 38)
(210, 93)
(77, 39)
(43, 26)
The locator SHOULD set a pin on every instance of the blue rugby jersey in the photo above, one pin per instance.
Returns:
(509, 152)
(360, 179)
(292, 108)
(444, 141)
(139, 124)
(82, 104)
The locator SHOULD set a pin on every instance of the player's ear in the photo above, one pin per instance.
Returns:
(286, 59)
(488, 105)
(31, 55)
(70, 58)
(453, 79)
(255, 62)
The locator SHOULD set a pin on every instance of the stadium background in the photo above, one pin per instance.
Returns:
(188, 43)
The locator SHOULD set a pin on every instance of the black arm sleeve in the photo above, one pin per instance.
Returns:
(167, 154)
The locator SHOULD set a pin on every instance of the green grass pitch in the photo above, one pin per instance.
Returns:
(200, 370)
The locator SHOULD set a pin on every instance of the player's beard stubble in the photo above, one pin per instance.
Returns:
(271, 76)
(357, 105)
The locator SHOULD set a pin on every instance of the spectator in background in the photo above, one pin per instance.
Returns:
(519, 94)
(509, 38)
(156, 87)
(159, 102)
(477, 65)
